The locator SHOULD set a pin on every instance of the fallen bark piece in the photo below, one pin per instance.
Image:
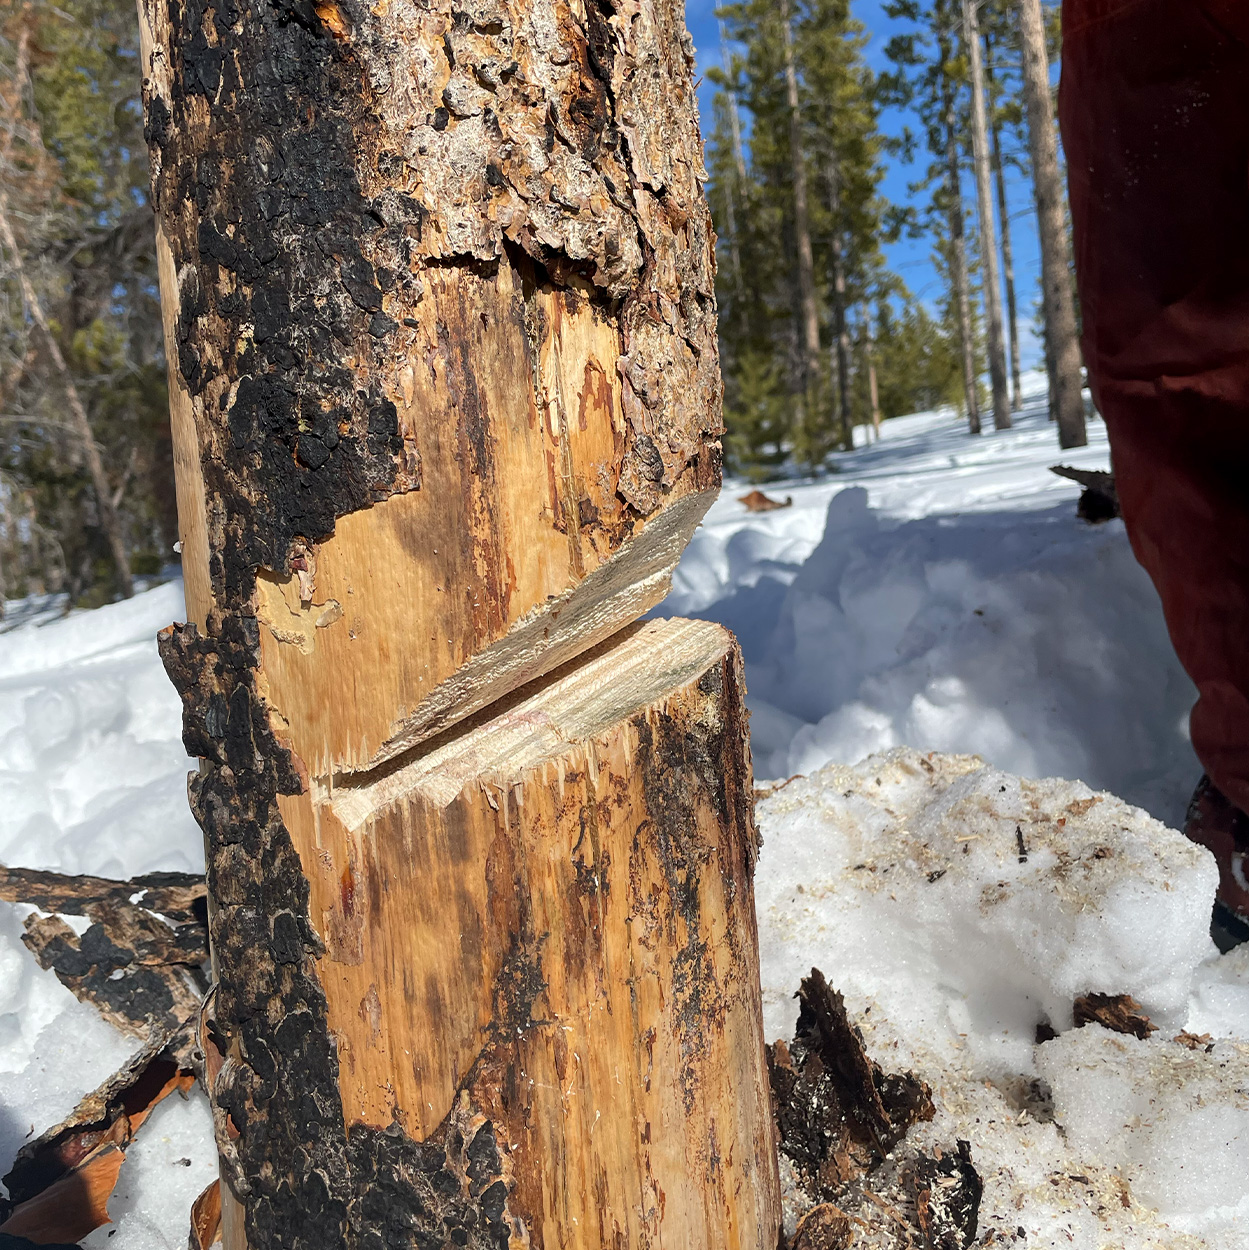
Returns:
(140, 963)
(757, 501)
(206, 1219)
(947, 1191)
(1195, 1041)
(179, 896)
(823, 1228)
(59, 1185)
(74, 1205)
(1121, 1013)
(838, 1114)
(1099, 501)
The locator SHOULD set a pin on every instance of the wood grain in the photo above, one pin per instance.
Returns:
(550, 915)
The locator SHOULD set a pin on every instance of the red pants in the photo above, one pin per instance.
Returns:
(1153, 108)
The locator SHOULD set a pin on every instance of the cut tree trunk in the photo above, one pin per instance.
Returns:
(985, 217)
(438, 307)
(1057, 303)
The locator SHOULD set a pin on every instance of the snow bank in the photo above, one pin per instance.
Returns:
(1169, 1120)
(92, 780)
(959, 908)
(92, 768)
(941, 592)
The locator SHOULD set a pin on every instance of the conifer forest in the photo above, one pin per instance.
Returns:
(818, 332)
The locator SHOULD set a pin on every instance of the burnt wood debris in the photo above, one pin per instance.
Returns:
(437, 285)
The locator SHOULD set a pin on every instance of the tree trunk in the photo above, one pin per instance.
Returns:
(1052, 230)
(874, 400)
(110, 522)
(740, 165)
(840, 348)
(445, 396)
(985, 216)
(1009, 273)
(808, 313)
(957, 253)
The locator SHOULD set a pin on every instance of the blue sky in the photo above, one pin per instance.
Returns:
(909, 258)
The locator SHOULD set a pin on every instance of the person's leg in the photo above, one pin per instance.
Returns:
(1152, 107)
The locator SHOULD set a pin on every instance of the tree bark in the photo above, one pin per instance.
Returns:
(958, 254)
(446, 404)
(840, 346)
(1057, 304)
(874, 399)
(985, 216)
(809, 317)
(740, 165)
(1009, 273)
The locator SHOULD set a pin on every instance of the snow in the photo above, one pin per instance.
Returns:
(902, 879)
(93, 776)
(93, 779)
(935, 590)
(940, 591)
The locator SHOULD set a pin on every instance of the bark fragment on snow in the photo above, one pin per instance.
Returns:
(1099, 500)
(824, 1227)
(838, 1114)
(1121, 1013)
(139, 963)
(947, 1191)
(60, 1183)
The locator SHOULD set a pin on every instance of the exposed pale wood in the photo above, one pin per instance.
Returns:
(551, 915)
(489, 579)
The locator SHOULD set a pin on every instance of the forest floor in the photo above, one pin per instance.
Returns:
(937, 592)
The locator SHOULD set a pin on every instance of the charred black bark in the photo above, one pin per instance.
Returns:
(306, 1181)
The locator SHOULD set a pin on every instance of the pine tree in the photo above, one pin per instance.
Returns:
(930, 78)
(816, 119)
(74, 179)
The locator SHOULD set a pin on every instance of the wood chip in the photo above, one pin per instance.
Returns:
(1121, 1013)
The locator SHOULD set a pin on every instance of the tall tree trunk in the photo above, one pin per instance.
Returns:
(957, 252)
(1009, 273)
(809, 317)
(840, 346)
(985, 215)
(446, 404)
(110, 522)
(874, 400)
(1057, 305)
(738, 189)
